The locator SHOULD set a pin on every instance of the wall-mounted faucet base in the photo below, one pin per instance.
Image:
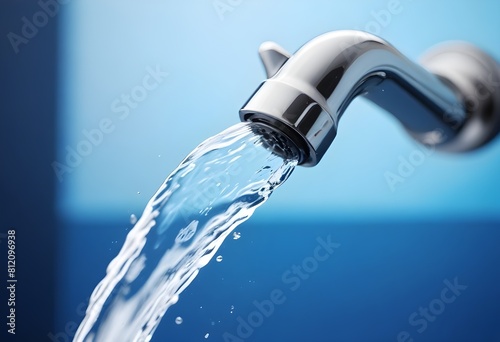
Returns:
(475, 76)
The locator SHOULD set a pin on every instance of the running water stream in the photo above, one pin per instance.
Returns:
(217, 187)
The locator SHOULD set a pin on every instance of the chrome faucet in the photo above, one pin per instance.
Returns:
(451, 102)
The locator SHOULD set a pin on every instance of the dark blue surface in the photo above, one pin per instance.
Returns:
(365, 291)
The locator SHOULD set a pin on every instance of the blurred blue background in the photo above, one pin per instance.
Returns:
(108, 48)
(138, 85)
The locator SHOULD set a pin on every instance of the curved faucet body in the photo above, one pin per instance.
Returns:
(454, 105)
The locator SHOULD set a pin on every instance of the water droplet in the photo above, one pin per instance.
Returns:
(133, 219)
(138, 192)
(219, 258)
(236, 235)
(159, 156)
(206, 335)
(178, 320)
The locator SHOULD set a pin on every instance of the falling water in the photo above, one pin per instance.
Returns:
(217, 187)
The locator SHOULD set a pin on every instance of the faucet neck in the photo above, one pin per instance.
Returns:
(306, 94)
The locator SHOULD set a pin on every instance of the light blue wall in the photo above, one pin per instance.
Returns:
(213, 67)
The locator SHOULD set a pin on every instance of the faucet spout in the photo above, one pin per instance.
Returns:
(451, 102)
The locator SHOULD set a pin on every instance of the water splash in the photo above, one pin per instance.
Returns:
(217, 187)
